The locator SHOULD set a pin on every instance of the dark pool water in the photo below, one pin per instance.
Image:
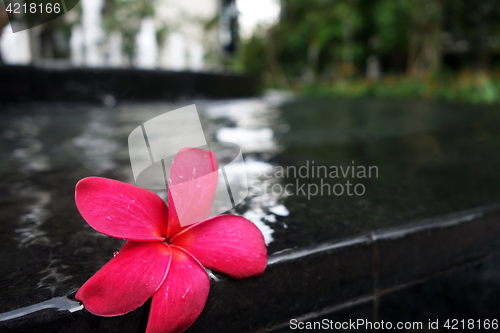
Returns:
(430, 159)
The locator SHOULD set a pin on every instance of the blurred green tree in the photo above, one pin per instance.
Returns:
(125, 17)
(327, 41)
(476, 24)
(424, 35)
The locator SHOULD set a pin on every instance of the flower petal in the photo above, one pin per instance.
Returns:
(192, 184)
(181, 297)
(229, 244)
(126, 281)
(121, 210)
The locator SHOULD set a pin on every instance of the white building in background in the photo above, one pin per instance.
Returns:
(146, 45)
(184, 48)
(15, 47)
(255, 13)
(93, 33)
(188, 45)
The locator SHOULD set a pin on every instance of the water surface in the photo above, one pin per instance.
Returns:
(431, 159)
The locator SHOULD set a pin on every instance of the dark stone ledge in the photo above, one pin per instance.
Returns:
(343, 256)
(34, 84)
(437, 245)
(327, 278)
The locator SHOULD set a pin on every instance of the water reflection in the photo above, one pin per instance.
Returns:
(44, 152)
(251, 124)
(256, 214)
(97, 144)
(58, 303)
(279, 210)
(28, 155)
(29, 148)
(52, 277)
(29, 229)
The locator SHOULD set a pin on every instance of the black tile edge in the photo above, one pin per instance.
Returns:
(444, 221)
(37, 84)
(394, 240)
(318, 314)
(436, 245)
(369, 300)
(289, 288)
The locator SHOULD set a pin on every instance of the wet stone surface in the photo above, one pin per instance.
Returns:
(430, 159)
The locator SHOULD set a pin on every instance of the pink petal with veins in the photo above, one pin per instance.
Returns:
(181, 297)
(121, 210)
(229, 244)
(192, 184)
(128, 280)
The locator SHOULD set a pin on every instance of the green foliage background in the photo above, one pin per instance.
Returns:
(322, 46)
(125, 16)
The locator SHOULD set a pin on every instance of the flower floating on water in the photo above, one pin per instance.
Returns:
(161, 259)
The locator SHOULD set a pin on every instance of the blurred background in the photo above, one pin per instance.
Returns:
(405, 48)
(165, 34)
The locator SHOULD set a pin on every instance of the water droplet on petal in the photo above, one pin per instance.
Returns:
(110, 219)
(115, 253)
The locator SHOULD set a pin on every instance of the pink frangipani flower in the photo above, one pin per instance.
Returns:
(161, 259)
